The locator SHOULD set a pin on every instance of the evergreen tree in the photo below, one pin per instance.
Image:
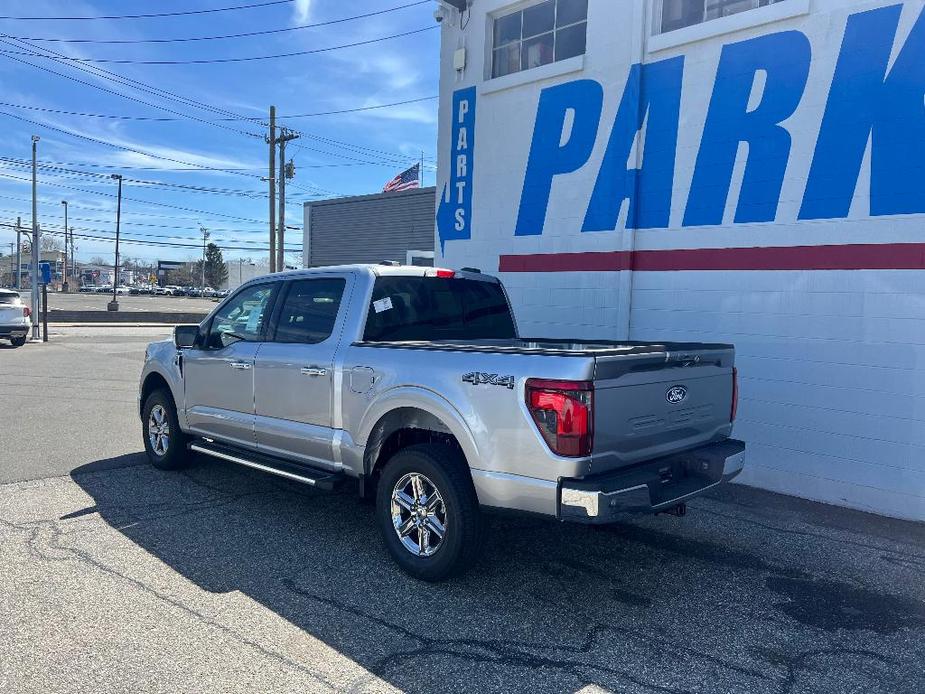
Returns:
(216, 271)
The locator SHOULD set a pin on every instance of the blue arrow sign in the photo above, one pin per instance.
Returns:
(454, 216)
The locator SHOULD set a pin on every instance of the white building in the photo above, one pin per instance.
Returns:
(747, 171)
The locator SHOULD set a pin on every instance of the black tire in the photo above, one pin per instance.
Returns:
(175, 455)
(17, 341)
(446, 471)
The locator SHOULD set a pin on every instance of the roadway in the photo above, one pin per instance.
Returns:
(119, 577)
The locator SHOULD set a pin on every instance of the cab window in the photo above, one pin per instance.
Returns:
(243, 318)
(309, 311)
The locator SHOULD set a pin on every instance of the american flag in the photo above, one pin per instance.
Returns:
(406, 180)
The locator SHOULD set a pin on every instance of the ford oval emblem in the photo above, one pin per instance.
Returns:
(676, 394)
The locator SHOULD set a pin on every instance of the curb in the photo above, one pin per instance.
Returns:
(158, 317)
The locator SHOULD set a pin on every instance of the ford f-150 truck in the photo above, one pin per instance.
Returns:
(414, 382)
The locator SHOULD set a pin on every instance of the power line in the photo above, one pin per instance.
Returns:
(361, 108)
(247, 34)
(117, 93)
(95, 70)
(146, 202)
(161, 244)
(137, 181)
(102, 73)
(202, 216)
(167, 119)
(123, 147)
(268, 3)
(213, 61)
(9, 161)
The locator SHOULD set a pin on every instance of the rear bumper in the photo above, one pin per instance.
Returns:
(655, 486)
(18, 330)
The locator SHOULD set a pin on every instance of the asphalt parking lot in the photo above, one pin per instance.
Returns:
(127, 303)
(119, 577)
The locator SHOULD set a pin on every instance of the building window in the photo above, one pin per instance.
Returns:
(538, 35)
(677, 14)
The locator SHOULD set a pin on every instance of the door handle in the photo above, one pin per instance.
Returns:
(240, 365)
(313, 371)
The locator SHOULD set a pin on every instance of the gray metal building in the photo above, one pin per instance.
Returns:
(371, 228)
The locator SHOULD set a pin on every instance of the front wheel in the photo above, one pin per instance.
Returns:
(428, 512)
(165, 444)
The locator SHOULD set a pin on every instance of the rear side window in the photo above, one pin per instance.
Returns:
(310, 310)
(431, 308)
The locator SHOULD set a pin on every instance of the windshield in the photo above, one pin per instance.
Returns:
(9, 298)
(430, 308)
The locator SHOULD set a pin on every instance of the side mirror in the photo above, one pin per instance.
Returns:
(185, 336)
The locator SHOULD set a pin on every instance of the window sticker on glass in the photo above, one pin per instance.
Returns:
(253, 319)
(383, 304)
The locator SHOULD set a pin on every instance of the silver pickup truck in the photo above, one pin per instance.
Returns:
(414, 382)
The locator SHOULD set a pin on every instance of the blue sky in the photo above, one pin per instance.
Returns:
(336, 155)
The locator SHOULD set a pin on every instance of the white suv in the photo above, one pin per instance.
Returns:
(15, 321)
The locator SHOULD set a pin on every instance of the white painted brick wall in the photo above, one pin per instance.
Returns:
(832, 363)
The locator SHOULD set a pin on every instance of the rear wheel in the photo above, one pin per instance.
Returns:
(428, 512)
(165, 444)
(18, 341)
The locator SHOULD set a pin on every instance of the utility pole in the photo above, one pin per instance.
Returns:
(205, 237)
(272, 141)
(285, 171)
(36, 249)
(114, 304)
(74, 257)
(12, 257)
(65, 284)
(18, 253)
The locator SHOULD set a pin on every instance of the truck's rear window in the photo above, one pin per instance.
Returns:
(431, 308)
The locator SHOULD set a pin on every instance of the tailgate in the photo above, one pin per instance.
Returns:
(658, 404)
(10, 314)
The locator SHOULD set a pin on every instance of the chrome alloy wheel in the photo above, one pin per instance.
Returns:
(159, 430)
(418, 514)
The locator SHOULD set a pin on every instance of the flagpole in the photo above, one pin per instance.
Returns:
(421, 171)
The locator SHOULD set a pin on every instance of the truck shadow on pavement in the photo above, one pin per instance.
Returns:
(736, 597)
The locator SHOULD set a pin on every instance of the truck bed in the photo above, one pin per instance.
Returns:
(571, 348)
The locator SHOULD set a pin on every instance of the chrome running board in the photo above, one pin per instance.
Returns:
(321, 479)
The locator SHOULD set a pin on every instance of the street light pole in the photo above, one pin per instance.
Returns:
(36, 249)
(65, 284)
(205, 236)
(18, 253)
(114, 304)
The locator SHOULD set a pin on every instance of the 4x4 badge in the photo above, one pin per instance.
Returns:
(483, 379)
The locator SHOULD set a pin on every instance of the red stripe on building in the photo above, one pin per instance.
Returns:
(859, 256)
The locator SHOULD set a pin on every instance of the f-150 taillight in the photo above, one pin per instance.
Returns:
(26, 311)
(735, 395)
(563, 413)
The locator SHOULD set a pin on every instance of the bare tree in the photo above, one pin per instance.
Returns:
(51, 243)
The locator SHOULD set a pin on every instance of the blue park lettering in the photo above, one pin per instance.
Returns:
(866, 102)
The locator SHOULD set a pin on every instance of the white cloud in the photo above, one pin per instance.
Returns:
(301, 12)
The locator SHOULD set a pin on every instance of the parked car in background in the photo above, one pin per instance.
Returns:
(15, 318)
